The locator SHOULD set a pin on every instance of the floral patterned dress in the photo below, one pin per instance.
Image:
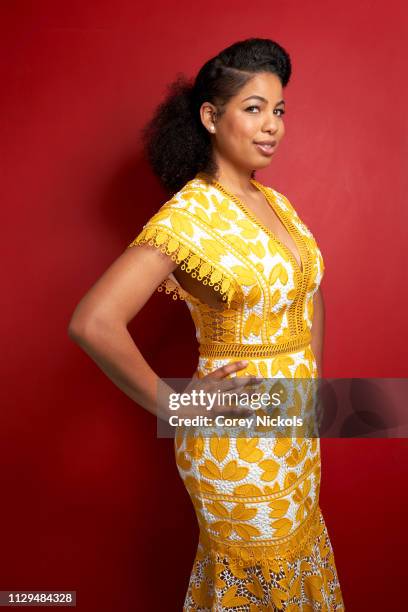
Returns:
(263, 542)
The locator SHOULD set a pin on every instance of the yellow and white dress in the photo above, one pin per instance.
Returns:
(263, 542)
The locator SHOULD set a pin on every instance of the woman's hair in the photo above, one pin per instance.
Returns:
(177, 144)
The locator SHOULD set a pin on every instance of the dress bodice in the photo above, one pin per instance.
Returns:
(267, 297)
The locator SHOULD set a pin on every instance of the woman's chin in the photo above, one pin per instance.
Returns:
(263, 163)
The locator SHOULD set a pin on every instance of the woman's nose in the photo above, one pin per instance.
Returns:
(271, 123)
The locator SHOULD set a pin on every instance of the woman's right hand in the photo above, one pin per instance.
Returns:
(218, 382)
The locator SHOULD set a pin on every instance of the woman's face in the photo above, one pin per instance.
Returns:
(254, 115)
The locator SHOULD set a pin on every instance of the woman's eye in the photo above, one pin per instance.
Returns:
(280, 110)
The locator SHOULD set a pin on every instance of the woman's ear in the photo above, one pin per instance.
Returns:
(208, 114)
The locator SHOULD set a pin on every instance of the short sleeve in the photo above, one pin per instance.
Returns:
(191, 242)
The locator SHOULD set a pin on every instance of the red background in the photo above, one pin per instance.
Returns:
(92, 501)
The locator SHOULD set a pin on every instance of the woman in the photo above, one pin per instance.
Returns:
(249, 270)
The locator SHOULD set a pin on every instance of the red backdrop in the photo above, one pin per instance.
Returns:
(92, 501)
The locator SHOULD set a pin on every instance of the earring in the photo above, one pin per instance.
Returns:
(212, 128)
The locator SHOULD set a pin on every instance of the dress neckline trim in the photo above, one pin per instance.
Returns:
(282, 216)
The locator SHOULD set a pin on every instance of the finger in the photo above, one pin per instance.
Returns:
(228, 368)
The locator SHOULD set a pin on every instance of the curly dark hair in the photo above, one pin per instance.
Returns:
(176, 143)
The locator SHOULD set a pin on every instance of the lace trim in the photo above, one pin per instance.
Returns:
(221, 350)
(194, 264)
(267, 551)
(303, 275)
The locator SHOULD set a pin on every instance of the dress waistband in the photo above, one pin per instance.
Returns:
(238, 349)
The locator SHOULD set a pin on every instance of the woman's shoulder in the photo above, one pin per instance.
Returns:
(195, 191)
(282, 200)
(197, 199)
(186, 213)
(192, 192)
(289, 210)
(180, 202)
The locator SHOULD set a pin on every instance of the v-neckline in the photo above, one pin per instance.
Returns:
(282, 217)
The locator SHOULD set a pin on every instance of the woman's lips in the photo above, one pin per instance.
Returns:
(266, 149)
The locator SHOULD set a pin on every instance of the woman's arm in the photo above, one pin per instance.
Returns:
(318, 326)
(99, 322)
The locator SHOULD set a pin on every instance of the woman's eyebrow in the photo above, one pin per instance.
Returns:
(263, 99)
